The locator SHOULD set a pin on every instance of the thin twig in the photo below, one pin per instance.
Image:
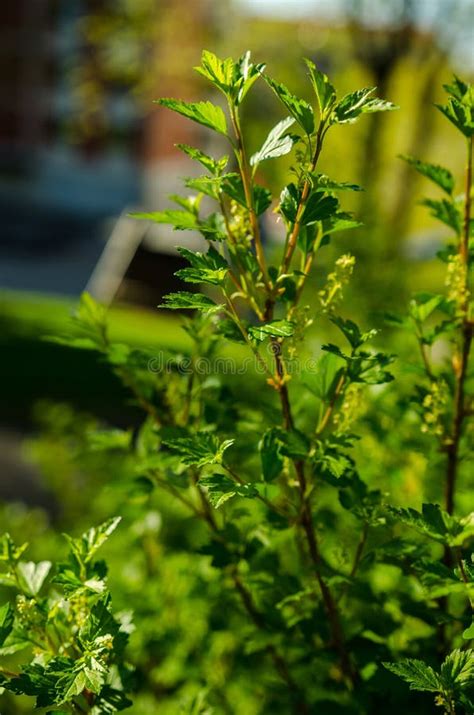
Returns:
(466, 341)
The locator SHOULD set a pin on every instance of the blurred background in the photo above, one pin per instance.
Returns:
(81, 143)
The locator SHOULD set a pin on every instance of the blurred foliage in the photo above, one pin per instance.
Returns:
(402, 576)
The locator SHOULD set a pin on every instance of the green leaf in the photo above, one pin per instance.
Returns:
(294, 444)
(213, 227)
(423, 305)
(221, 488)
(190, 204)
(90, 318)
(322, 380)
(9, 551)
(458, 669)
(319, 206)
(446, 212)
(248, 73)
(205, 113)
(7, 618)
(289, 202)
(321, 181)
(437, 174)
(350, 107)
(101, 622)
(415, 672)
(298, 108)
(436, 523)
(233, 187)
(210, 267)
(458, 89)
(275, 329)
(459, 113)
(32, 576)
(115, 439)
(214, 166)
(183, 300)
(220, 72)
(272, 462)
(85, 547)
(180, 220)
(340, 221)
(325, 92)
(208, 185)
(233, 79)
(276, 144)
(200, 449)
(352, 331)
(468, 634)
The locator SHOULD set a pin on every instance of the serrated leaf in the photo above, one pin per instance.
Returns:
(340, 221)
(434, 172)
(208, 185)
(436, 523)
(220, 72)
(221, 488)
(458, 669)
(200, 449)
(85, 546)
(298, 108)
(325, 92)
(183, 300)
(275, 328)
(321, 181)
(180, 220)
(446, 212)
(289, 202)
(208, 267)
(459, 113)
(276, 144)
(319, 206)
(205, 113)
(352, 331)
(424, 305)
(350, 107)
(415, 672)
(457, 89)
(233, 187)
(214, 166)
(248, 73)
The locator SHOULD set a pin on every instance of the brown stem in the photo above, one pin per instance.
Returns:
(247, 601)
(269, 504)
(464, 578)
(328, 599)
(330, 408)
(291, 245)
(466, 341)
(279, 662)
(306, 518)
(244, 172)
(360, 550)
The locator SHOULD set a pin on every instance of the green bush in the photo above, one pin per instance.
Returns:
(270, 556)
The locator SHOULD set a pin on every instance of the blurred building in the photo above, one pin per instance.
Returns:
(74, 152)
